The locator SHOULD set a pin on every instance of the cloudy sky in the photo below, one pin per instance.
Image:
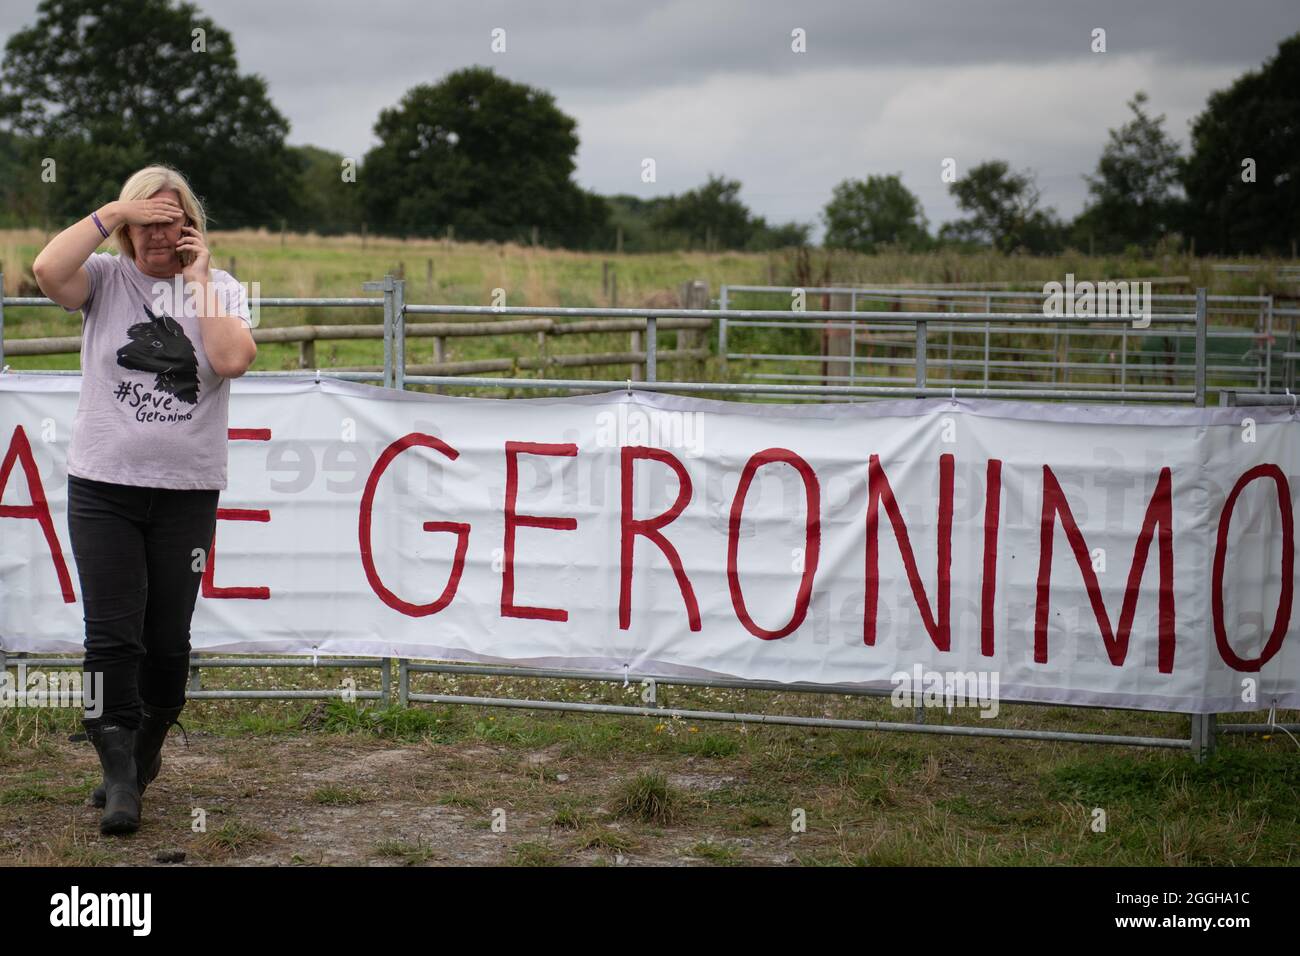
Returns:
(712, 86)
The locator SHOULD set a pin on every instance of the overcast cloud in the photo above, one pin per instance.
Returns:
(709, 86)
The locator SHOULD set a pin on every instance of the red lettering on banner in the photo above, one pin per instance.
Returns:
(458, 528)
(878, 491)
(649, 527)
(513, 450)
(209, 589)
(39, 510)
(1282, 620)
(992, 516)
(812, 539)
(1160, 511)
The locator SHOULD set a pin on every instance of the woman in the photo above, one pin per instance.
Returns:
(162, 334)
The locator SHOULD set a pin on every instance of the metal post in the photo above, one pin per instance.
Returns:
(394, 377)
(1268, 346)
(2, 320)
(1056, 352)
(386, 287)
(988, 308)
(853, 338)
(949, 369)
(399, 333)
(403, 682)
(651, 348)
(920, 353)
(635, 340)
(1288, 367)
(1065, 359)
(1123, 356)
(853, 350)
(388, 331)
(722, 330)
(1203, 736)
(1200, 346)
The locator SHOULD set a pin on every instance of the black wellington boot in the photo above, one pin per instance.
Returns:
(115, 745)
(154, 724)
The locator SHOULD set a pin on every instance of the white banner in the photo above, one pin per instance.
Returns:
(1127, 556)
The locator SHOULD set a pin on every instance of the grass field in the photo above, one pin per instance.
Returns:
(467, 273)
(330, 782)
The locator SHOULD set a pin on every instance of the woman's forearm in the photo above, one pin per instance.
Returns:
(65, 253)
(227, 342)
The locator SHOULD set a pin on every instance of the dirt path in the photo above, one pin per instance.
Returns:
(333, 800)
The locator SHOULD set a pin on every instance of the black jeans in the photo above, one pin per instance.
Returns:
(140, 554)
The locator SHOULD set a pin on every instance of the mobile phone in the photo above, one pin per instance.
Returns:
(186, 258)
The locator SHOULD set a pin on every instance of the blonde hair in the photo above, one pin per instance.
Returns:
(143, 184)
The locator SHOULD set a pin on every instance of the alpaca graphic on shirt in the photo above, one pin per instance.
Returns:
(161, 346)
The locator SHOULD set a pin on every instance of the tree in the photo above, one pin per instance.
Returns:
(764, 238)
(1134, 192)
(634, 216)
(710, 216)
(105, 88)
(16, 202)
(327, 203)
(486, 156)
(864, 214)
(1004, 211)
(1255, 119)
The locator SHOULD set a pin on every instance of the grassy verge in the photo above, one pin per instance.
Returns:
(441, 784)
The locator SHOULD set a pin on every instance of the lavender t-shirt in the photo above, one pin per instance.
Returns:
(152, 412)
